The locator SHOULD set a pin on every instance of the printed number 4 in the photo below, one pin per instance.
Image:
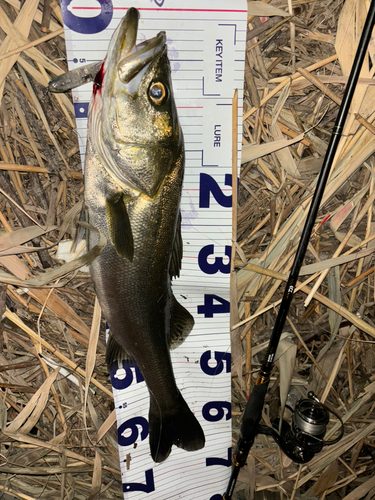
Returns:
(210, 308)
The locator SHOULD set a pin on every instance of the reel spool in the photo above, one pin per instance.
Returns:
(301, 440)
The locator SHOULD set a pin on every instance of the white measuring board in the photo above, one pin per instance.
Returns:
(206, 47)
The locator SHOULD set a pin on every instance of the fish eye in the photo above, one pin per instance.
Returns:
(157, 93)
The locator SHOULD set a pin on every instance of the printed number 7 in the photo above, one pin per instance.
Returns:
(147, 488)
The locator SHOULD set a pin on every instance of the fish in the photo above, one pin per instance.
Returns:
(134, 171)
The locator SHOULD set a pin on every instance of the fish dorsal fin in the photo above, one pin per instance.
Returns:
(119, 226)
(175, 266)
(182, 323)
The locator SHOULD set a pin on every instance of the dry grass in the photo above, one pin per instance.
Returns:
(56, 438)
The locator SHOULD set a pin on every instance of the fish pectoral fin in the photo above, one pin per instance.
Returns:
(115, 353)
(182, 323)
(175, 265)
(119, 226)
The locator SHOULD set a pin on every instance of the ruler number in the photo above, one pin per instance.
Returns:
(220, 461)
(123, 377)
(220, 358)
(222, 408)
(147, 488)
(87, 25)
(217, 266)
(208, 186)
(210, 308)
(132, 424)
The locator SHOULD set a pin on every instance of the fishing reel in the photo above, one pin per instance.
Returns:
(301, 440)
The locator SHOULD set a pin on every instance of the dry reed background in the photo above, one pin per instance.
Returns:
(54, 443)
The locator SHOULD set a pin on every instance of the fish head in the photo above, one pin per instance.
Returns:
(138, 117)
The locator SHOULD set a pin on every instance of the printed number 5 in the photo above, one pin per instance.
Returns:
(219, 357)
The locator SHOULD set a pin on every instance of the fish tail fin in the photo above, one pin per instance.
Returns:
(180, 428)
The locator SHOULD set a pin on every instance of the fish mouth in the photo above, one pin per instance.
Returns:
(134, 59)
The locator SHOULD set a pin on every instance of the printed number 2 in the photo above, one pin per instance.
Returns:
(147, 488)
(217, 265)
(209, 308)
(208, 185)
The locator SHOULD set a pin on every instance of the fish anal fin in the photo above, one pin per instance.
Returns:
(119, 226)
(182, 323)
(175, 265)
(115, 353)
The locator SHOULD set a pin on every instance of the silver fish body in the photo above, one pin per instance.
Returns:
(133, 177)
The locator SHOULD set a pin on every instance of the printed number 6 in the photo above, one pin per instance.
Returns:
(219, 406)
(132, 424)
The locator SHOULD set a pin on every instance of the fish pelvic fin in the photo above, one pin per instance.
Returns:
(181, 429)
(182, 323)
(115, 353)
(119, 226)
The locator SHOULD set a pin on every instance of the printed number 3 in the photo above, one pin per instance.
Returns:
(217, 265)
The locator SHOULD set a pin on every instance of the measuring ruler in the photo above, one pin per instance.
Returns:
(206, 48)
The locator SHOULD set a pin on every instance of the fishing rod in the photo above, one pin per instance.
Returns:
(305, 437)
